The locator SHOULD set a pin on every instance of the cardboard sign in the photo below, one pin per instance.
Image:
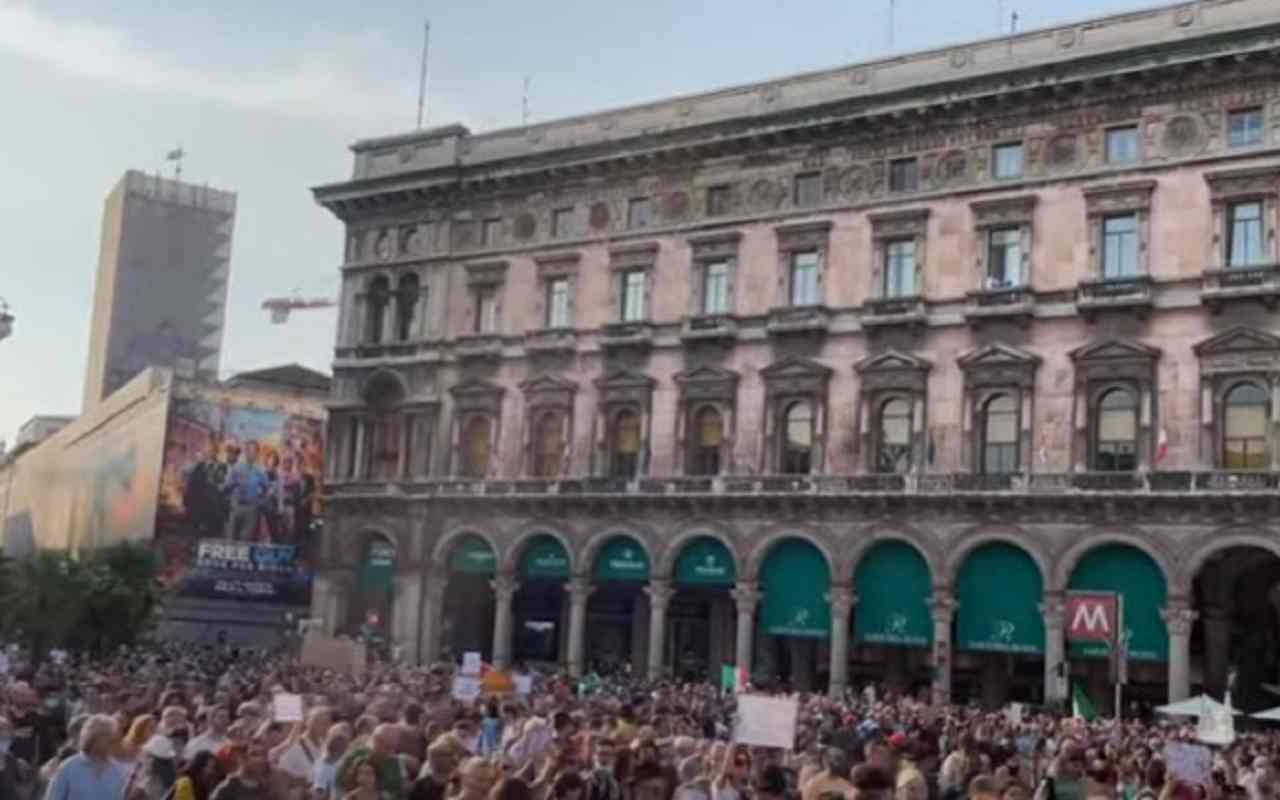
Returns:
(286, 707)
(1190, 763)
(1091, 616)
(471, 663)
(766, 721)
(466, 688)
(1014, 714)
(339, 655)
(1216, 725)
(524, 684)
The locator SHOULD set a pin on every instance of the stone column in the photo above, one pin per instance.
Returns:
(842, 600)
(432, 613)
(1054, 610)
(1217, 648)
(504, 591)
(1178, 618)
(941, 607)
(660, 593)
(746, 596)
(579, 590)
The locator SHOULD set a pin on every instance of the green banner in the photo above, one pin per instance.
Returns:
(545, 559)
(999, 590)
(473, 556)
(379, 570)
(893, 587)
(728, 678)
(795, 580)
(622, 559)
(1133, 574)
(705, 562)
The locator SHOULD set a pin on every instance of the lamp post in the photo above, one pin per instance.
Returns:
(6, 320)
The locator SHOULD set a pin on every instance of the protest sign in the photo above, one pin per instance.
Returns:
(1014, 714)
(1191, 763)
(524, 684)
(1216, 725)
(466, 688)
(471, 663)
(766, 721)
(339, 655)
(286, 707)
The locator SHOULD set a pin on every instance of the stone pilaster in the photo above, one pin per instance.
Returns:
(660, 593)
(579, 590)
(1178, 619)
(842, 600)
(941, 607)
(432, 613)
(1054, 610)
(746, 596)
(504, 591)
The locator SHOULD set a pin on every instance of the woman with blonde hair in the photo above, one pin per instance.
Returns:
(732, 781)
(129, 748)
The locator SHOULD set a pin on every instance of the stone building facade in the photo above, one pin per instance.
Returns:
(853, 375)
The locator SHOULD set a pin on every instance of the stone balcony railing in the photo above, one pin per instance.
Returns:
(479, 347)
(788, 320)
(709, 328)
(551, 340)
(1000, 303)
(885, 312)
(1259, 282)
(1130, 294)
(627, 335)
(940, 484)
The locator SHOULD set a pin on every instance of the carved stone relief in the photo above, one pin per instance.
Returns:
(526, 226)
(599, 216)
(766, 195)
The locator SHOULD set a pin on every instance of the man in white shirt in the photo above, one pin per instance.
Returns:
(214, 736)
(299, 760)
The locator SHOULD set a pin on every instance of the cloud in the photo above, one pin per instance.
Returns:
(335, 86)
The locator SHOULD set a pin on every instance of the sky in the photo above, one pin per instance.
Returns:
(266, 95)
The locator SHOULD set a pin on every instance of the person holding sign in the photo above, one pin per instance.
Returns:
(732, 781)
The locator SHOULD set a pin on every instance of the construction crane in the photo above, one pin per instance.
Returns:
(282, 307)
(6, 320)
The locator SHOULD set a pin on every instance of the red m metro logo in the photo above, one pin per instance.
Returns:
(1091, 617)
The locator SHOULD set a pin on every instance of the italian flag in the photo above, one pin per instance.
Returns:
(1081, 705)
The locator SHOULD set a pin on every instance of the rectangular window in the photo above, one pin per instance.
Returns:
(561, 223)
(717, 201)
(1004, 258)
(1006, 161)
(715, 288)
(490, 232)
(486, 309)
(1120, 246)
(804, 279)
(1244, 128)
(558, 303)
(904, 175)
(638, 210)
(808, 189)
(900, 268)
(633, 285)
(1122, 145)
(1244, 235)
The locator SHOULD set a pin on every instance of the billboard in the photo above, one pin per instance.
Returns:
(236, 473)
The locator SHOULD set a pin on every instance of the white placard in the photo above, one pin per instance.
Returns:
(766, 721)
(286, 707)
(1216, 725)
(1191, 763)
(471, 663)
(1013, 714)
(466, 688)
(523, 684)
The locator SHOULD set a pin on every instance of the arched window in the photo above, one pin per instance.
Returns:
(1244, 428)
(1116, 444)
(797, 438)
(406, 301)
(477, 446)
(626, 444)
(706, 438)
(893, 453)
(1000, 435)
(376, 298)
(548, 444)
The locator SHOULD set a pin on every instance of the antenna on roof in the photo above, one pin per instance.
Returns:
(524, 102)
(1013, 22)
(422, 75)
(176, 156)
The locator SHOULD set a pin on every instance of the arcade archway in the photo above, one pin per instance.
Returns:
(468, 599)
(794, 616)
(1236, 591)
(371, 616)
(541, 611)
(700, 618)
(892, 624)
(618, 609)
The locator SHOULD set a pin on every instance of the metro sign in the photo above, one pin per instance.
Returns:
(1091, 616)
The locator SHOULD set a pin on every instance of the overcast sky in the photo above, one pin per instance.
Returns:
(265, 96)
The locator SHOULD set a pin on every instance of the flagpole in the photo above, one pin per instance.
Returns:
(1117, 643)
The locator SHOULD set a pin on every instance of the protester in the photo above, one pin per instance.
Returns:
(92, 773)
(198, 778)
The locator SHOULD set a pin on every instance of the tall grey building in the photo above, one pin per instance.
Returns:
(161, 292)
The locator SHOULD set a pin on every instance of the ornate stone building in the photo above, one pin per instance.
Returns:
(852, 375)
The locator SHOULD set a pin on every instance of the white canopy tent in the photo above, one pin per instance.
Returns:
(1193, 707)
(1271, 714)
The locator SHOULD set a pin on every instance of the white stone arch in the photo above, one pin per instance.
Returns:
(873, 535)
(511, 555)
(396, 388)
(449, 539)
(675, 545)
(760, 551)
(591, 549)
(1068, 560)
(358, 544)
(974, 538)
(1260, 538)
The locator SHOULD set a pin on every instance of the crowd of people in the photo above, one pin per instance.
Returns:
(202, 724)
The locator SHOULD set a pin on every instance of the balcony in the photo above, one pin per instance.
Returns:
(711, 328)
(890, 312)
(478, 347)
(798, 321)
(627, 336)
(1000, 303)
(551, 341)
(1130, 294)
(1260, 282)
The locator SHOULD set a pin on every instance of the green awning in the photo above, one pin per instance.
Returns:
(473, 556)
(545, 559)
(1132, 573)
(999, 590)
(795, 580)
(379, 571)
(893, 587)
(622, 559)
(705, 562)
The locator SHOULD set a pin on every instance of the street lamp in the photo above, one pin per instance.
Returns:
(6, 320)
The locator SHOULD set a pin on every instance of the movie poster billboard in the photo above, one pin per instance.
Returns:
(239, 495)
